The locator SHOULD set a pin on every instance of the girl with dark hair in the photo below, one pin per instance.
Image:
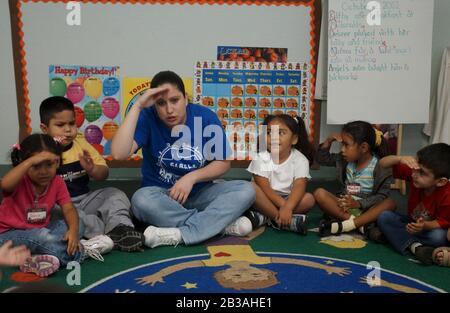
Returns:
(31, 189)
(365, 186)
(280, 175)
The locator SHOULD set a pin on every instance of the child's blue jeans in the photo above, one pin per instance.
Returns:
(393, 226)
(48, 240)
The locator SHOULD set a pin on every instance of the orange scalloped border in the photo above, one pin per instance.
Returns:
(309, 4)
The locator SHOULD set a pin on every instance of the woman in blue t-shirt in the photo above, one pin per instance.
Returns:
(184, 148)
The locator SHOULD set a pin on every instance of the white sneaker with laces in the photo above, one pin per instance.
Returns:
(240, 227)
(97, 246)
(162, 236)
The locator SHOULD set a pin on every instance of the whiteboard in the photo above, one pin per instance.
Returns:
(143, 39)
(379, 73)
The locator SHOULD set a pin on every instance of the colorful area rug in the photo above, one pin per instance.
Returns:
(268, 260)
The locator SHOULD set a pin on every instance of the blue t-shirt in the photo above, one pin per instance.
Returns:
(166, 158)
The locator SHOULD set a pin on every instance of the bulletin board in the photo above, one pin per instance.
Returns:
(142, 38)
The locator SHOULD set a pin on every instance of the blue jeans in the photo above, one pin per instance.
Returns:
(393, 226)
(48, 240)
(204, 215)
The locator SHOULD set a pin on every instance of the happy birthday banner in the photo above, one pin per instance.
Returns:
(95, 92)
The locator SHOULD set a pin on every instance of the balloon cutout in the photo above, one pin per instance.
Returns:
(79, 116)
(93, 134)
(109, 129)
(110, 86)
(99, 148)
(92, 111)
(93, 86)
(75, 92)
(58, 87)
(110, 107)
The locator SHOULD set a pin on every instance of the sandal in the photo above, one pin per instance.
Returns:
(445, 257)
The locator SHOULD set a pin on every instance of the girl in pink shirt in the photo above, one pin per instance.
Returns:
(30, 190)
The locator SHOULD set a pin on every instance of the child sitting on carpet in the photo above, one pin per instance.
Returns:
(103, 211)
(280, 175)
(31, 189)
(425, 226)
(365, 185)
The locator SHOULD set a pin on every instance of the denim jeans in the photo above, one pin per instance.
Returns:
(48, 240)
(393, 226)
(204, 215)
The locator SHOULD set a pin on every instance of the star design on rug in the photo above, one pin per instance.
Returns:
(188, 285)
(329, 262)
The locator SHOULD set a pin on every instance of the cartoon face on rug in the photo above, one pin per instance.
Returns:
(233, 266)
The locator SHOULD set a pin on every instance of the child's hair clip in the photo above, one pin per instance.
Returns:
(16, 146)
(58, 139)
(295, 118)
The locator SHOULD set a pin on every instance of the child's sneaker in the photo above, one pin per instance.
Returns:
(374, 233)
(162, 236)
(257, 219)
(42, 265)
(298, 224)
(126, 238)
(240, 227)
(97, 246)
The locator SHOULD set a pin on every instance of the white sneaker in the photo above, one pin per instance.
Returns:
(97, 246)
(162, 236)
(240, 227)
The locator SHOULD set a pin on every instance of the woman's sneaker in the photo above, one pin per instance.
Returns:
(42, 265)
(97, 246)
(240, 227)
(162, 236)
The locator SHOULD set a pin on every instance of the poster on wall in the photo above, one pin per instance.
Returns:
(252, 54)
(95, 93)
(244, 93)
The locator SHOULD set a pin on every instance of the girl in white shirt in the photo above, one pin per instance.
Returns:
(280, 175)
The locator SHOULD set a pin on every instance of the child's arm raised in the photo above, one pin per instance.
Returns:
(71, 217)
(391, 160)
(15, 175)
(324, 157)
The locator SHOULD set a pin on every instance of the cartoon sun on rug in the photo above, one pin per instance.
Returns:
(344, 241)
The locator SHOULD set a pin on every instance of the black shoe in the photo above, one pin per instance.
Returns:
(424, 254)
(374, 233)
(298, 224)
(256, 218)
(126, 238)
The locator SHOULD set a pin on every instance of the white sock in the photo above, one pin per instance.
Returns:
(348, 225)
(414, 246)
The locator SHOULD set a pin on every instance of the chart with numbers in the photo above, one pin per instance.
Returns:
(244, 93)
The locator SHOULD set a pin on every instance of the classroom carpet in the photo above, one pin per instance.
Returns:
(266, 261)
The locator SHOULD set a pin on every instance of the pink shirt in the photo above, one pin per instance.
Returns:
(14, 207)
